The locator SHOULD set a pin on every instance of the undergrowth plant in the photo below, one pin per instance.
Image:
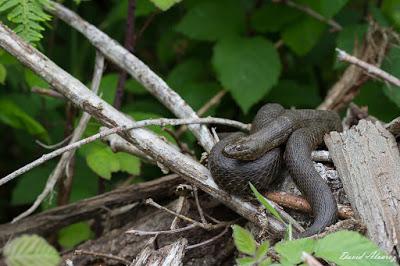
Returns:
(28, 16)
(344, 248)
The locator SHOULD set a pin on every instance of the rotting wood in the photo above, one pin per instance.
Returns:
(368, 161)
(49, 221)
(167, 255)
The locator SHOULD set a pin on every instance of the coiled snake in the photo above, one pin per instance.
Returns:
(258, 157)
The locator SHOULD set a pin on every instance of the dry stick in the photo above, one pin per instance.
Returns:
(129, 44)
(199, 209)
(53, 146)
(310, 260)
(136, 68)
(216, 99)
(135, 125)
(208, 241)
(101, 255)
(62, 165)
(47, 92)
(312, 13)
(144, 140)
(370, 69)
(166, 232)
(183, 217)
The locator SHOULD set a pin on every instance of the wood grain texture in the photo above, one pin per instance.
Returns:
(368, 161)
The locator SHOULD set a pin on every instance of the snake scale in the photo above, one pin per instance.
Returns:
(259, 156)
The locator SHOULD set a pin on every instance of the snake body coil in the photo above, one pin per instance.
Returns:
(257, 157)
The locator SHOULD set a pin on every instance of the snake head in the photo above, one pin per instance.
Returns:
(241, 150)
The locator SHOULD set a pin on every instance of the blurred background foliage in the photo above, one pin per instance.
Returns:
(258, 51)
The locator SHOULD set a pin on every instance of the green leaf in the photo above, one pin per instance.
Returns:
(247, 65)
(218, 19)
(391, 64)
(265, 203)
(72, 235)
(103, 162)
(273, 17)
(246, 261)
(262, 250)
(119, 11)
(165, 4)
(266, 262)
(108, 87)
(128, 163)
(391, 9)
(189, 71)
(347, 248)
(372, 94)
(30, 184)
(244, 240)
(291, 93)
(303, 34)
(348, 38)
(291, 251)
(135, 87)
(30, 250)
(3, 74)
(12, 115)
(34, 80)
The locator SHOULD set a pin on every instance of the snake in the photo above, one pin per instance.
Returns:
(278, 137)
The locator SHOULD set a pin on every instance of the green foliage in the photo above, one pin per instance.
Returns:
(218, 20)
(30, 250)
(344, 248)
(28, 15)
(104, 162)
(3, 73)
(247, 65)
(165, 4)
(392, 65)
(72, 235)
(12, 115)
(265, 203)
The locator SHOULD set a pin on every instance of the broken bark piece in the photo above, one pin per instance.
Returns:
(368, 162)
(168, 255)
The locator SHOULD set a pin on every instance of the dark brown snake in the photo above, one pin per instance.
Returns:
(258, 157)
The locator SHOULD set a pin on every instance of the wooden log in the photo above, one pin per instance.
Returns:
(368, 162)
(54, 219)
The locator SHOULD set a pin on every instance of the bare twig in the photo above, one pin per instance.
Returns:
(139, 124)
(136, 68)
(208, 241)
(216, 99)
(129, 44)
(54, 146)
(206, 226)
(47, 92)
(62, 165)
(101, 255)
(196, 197)
(312, 13)
(370, 69)
(166, 232)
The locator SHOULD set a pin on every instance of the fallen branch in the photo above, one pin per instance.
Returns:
(143, 123)
(49, 221)
(370, 69)
(62, 166)
(136, 68)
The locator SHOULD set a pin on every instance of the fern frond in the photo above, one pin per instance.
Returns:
(27, 14)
